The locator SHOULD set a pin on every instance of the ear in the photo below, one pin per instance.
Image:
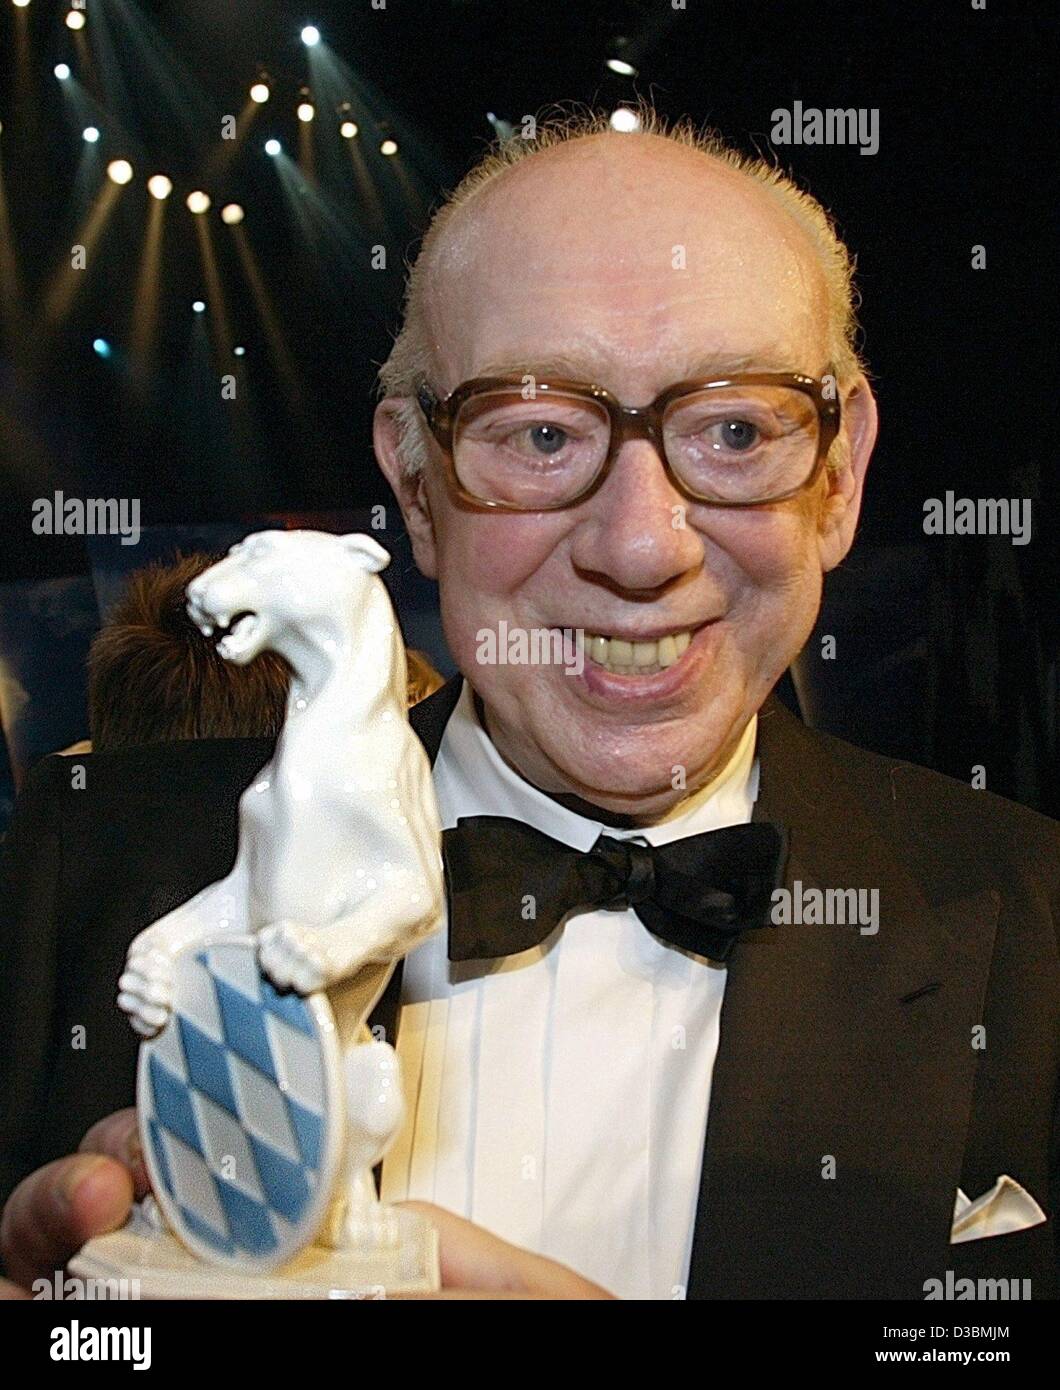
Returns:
(409, 489)
(368, 551)
(838, 518)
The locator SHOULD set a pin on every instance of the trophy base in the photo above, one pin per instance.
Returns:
(156, 1265)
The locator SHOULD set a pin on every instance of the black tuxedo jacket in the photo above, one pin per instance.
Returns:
(908, 1064)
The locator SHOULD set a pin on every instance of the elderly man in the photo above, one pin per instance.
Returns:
(625, 407)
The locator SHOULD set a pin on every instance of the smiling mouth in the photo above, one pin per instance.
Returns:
(628, 658)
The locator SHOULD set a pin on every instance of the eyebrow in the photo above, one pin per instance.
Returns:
(717, 365)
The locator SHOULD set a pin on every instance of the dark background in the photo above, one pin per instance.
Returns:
(948, 645)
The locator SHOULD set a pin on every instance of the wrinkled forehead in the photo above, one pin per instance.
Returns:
(632, 254)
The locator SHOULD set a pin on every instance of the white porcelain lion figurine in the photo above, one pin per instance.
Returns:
(339, 869)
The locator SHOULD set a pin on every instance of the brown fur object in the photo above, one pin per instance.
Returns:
(153, 676)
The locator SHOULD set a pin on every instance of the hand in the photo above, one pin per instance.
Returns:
(477, 1264)
(55, 1210)
(51, 1214)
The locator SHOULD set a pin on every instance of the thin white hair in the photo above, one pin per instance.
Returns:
(409, 363)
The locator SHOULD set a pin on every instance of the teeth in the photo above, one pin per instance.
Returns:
(636, 658)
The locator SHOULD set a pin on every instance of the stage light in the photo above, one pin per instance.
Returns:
(199, 307)
(75, 19)
(90, 134)
(311, 36)
(120, 171)
(101, 347)
(159, 186)
(620, 66)
(20, 4)
(198, 202)
(503, 129)
(273, 148)
(62, 71)
(306, 111)
(348, 129)
(232, 215)
(388, 147)
(239, 352)
(624, 119)
(259, 93)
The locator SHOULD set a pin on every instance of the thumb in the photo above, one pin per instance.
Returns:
(51, 1214)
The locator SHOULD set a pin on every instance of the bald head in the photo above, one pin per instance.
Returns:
(652, 239)
(648, 185)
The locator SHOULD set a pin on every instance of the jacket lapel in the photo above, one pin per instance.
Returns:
(843, 1083)
(428, 720)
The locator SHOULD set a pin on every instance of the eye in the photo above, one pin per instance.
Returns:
(547, 439)
(738, 434)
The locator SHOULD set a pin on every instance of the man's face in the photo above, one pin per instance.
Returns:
(632, 264)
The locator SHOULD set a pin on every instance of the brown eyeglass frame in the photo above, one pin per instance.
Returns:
(627, 422)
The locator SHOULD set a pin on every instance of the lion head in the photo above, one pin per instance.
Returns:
(273, 582)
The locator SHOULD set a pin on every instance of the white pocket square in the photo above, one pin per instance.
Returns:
(1005, 1208)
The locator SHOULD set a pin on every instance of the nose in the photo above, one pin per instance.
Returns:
(636, 534)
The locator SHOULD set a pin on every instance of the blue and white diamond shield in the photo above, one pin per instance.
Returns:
(241, 1109)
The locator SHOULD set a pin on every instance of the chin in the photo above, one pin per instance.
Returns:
(635, 766)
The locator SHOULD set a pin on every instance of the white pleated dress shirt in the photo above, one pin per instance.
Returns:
(559, 1097)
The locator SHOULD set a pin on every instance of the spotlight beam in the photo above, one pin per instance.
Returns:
(25, 88)
(224, 152)
(215, 300)
(10, 279)
(281, 358)
(143, 330)
(67, 281)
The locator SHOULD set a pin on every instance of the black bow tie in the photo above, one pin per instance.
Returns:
(508, 885)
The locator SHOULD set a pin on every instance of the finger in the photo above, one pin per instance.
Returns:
(51, 1214)
(118, 1136)
(476, 1260)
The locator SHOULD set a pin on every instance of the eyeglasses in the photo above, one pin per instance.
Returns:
(519, 444)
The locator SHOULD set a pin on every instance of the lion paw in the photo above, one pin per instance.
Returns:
(291, 957)
(145, 990)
